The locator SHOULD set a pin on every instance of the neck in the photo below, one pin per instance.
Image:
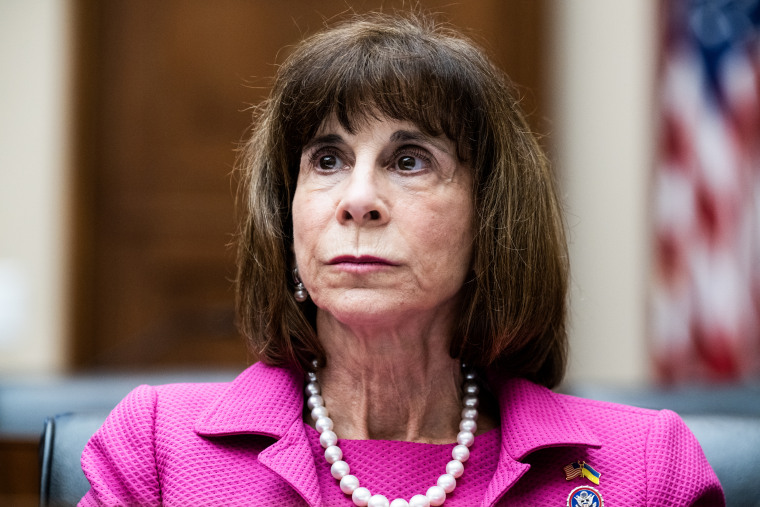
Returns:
(390, 384)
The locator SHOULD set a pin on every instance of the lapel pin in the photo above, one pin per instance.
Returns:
(584, 496)
(581, 469)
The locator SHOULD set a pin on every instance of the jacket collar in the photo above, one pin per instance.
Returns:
(532, 418)
(264, 400)
(268, 401)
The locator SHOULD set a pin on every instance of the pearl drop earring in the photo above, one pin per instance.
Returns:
(300, 294)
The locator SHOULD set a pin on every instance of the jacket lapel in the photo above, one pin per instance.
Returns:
(290, 457)
(266, 400)
(508, 471)
(532, 418)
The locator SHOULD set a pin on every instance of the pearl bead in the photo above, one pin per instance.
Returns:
(470, 401)
(459, 453)
(325, 423)
(318, 412)
(436, 494)
(470, 413)
(311, 388)
(300, 295)
(348, 484)
(465, 438)
(339, 469)
(333, 454)
(471, 388)
(468, 425)
(447, 482)
(455, 468)
(399, 502)
(470, 375)
(378, 501)
(314, 400)
(311, 376)
(361, 496)
(328, 438)
(419, 501)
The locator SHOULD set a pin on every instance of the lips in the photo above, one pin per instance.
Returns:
(362, 259)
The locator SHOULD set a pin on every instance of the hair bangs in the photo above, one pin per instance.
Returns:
(377, 75)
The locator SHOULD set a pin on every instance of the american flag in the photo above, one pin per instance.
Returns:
(705, 301)
(572, 471)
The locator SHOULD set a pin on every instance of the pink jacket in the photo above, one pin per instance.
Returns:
(244, 443)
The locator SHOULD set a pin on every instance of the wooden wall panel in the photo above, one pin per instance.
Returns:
(163, 92)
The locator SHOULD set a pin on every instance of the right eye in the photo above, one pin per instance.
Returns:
(329, 162)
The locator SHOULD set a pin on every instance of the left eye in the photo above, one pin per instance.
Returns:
(409, 163)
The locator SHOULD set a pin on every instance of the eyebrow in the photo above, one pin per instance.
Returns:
(409, 135)
(324, 139)
(399, 136)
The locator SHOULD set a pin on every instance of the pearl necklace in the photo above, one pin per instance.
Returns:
(349, 484)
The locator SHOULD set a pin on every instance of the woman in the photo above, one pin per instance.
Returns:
(401, 222)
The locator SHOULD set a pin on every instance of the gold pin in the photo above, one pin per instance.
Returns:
(581, 469)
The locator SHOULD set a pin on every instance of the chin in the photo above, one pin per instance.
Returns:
(358, 313)
(363, 308)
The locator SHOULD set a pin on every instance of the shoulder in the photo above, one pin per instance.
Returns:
(183, 401)
(654, 432)
(610, 419)
(645, 457)
(146, 406)
(120, 459)
(150, 434)
(614, 422)
(565, 418)
(674, 466)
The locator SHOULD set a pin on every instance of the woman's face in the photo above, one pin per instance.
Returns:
(382, 222)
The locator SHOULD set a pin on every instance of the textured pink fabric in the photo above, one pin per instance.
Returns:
(405, 469)
(244, 443)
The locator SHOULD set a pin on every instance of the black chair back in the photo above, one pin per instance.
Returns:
(732, 446)
(62, 481)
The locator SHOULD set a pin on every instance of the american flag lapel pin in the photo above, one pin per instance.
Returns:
(581, 469)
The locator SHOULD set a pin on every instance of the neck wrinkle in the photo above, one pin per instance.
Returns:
(392, 409)
(389, 390)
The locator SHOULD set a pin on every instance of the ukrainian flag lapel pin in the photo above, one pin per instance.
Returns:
(583, 496)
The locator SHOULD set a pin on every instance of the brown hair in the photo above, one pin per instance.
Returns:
(409, 67)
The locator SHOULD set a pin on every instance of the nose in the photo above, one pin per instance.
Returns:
(361, 201)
